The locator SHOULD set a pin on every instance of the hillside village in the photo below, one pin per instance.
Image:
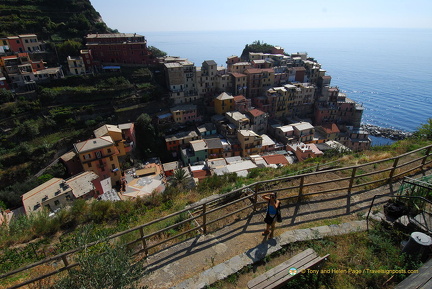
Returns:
(268, 110)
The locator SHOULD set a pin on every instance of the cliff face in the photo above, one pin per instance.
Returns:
(50, 20)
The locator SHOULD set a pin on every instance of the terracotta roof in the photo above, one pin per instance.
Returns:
(300, 68)
(330, 128)
(256, 112)
(238, 98)
(200, 174)
(258, 70)
(276, 159)
(315, 149)
(237, 75)
(253, 70)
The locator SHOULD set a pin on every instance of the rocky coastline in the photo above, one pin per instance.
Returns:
(389, 133)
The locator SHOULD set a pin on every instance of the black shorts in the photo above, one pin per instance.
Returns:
(269, 220)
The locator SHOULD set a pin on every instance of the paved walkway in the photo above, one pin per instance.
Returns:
(203, 260)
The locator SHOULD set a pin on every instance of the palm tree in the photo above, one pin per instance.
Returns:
(179, 177)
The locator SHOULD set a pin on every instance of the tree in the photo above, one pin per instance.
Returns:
(29, 129)
(425, 130)
(146, 135)
(47, 96)
(69, 48)
(6, 95)
(179, 177)
(156, 52)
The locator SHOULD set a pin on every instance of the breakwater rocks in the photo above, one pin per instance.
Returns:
(389, 133)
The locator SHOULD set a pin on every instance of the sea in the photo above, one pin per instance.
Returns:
(387, 70)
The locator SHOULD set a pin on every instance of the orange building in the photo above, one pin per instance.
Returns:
(100, 156)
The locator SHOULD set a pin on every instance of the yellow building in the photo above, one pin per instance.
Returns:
(100, 155)
(116, 135)
(250, 142)
(224, 103)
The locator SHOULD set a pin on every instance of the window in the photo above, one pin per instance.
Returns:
(89, 165)
(56, 202)
(109, 151)
(111, 158)
(112, 166)
(98, 154)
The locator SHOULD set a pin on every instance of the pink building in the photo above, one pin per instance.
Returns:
(185, 113)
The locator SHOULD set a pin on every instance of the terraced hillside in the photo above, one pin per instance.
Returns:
(64, 20)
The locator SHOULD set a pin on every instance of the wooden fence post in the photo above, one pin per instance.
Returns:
(143, 241)
(65, 261)
(425, 157)
(300, 194)
(353, 173)
(255, 202)
(205, 218)
(395, 163)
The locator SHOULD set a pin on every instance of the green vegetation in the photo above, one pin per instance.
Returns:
(45, 124)
(351, 256)
(150, 141)
(256, 46)
(425, 130)
(62, 21)
(108, 267)
(156, 52)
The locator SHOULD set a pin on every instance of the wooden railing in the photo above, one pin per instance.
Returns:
(211, 215)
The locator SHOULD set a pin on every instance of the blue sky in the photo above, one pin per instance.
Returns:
(206, 15)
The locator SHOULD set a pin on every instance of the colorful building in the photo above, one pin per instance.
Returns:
(176, 141)
(250, 142)
(100, 156)
(185, 113)
(119, 48)
(224, 103)
(58, 193)
(196, 152)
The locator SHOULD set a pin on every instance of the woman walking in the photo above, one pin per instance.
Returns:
(272, 210)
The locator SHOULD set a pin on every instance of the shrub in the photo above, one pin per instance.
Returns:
(112, 269)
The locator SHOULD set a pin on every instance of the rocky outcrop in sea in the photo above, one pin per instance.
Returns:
(389, 133)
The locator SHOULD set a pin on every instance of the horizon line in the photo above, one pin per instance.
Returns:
(282, 29)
